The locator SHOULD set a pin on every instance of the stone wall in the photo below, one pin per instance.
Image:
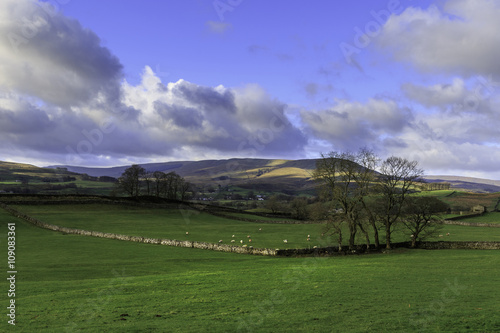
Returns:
(247, 250)
(472, 224)
(158, 241)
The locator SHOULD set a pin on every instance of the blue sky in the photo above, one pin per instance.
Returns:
(102, 83)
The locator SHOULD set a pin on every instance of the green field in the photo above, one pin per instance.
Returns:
(174, 223)
(490, 217)
(74, 283)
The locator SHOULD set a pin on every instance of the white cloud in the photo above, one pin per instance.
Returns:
(350, 125)
(441, 95)
(49, 56)
(460, 38)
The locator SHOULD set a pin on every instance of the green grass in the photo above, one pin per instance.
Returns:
(490, 217)
(75, 283)
(174, 223)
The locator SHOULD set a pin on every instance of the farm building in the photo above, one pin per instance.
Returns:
(479, 209)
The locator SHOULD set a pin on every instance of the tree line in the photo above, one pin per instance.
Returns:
(136, 181)
(358, 198)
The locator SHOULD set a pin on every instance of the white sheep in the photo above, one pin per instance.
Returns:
(220, 240)
(285, 240)
(241, 241)
(187, 232)
(232, 240)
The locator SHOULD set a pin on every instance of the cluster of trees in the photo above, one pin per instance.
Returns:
(361, 199)
(136, 181)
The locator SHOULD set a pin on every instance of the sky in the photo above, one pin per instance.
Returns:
(106, 83)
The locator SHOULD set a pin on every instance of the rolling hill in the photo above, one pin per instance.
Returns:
(478, 185)
(262, 174)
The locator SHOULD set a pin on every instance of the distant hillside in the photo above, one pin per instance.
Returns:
(10, 171)
(478, 185)
(263, 174)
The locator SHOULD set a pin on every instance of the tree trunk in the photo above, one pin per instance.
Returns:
(367, 237)
(352, 236)
(375, 235)
(387, 236)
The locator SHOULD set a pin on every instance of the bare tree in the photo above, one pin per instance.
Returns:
(130, 180)
(421, 217)
(298, 207)
(397, 179)
(274, 204)
(348, 178)
(184, 188)
(147, 177)
(158, 177)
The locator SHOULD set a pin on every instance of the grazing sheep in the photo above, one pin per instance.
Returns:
(250, 240)
(260, 229)
(447, 234)
(187, 232)
(308, 239)
(248, 236)
(232, 240)
(308, 236)
(233, 236)
(220, 240)
(241, 241)
(285, 240)
(440, 236)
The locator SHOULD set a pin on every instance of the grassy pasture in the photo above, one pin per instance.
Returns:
(490, 217)
(174, 223)
(74, 283)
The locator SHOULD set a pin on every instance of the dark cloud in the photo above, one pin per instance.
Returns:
(52, 57)
(350, 125)
(206, 97)
(185, 117)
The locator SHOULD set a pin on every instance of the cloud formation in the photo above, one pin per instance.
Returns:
(51, 57)
(64, 99)
(350, 125)
(460, 38)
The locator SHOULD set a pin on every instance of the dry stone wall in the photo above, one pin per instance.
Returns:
(245, 250)
(139, 239)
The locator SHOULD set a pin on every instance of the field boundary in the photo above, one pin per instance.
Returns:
(248, 250)
(472, 224)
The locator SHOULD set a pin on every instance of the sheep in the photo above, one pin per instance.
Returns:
(232, 240)
(260, 229)
(233, 236)
(241, 241)
(220, 240)
(187, 232)
(285, 240)
(248, 236)
(308, 239)
(250, 240)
